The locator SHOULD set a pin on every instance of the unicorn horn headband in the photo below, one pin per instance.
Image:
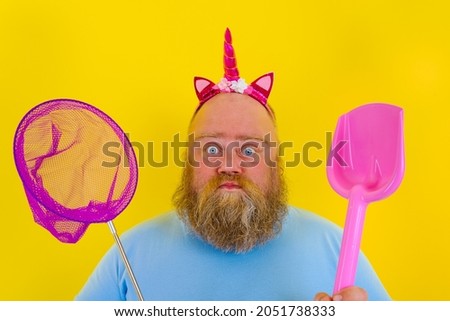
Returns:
(231, 82)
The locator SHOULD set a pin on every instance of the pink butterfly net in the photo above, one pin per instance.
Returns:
(77, 167)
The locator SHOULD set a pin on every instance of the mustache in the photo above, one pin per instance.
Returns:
(223, 178)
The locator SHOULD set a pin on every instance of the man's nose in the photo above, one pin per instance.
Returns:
(231, 162)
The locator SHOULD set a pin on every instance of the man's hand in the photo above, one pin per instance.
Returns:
(351, 293)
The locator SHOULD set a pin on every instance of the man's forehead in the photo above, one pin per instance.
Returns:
(232, 116)
(268, 136)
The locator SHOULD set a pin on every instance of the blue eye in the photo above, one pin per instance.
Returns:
(212, 150)
(248, 151)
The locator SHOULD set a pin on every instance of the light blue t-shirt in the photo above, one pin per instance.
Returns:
(171, 263)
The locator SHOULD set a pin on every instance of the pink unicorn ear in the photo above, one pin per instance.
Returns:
(263, 84)
(202, 87)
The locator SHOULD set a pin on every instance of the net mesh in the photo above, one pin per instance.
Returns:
(76, 164)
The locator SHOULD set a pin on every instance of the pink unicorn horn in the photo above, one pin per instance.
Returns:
(229, 58)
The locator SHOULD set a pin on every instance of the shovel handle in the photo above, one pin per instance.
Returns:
(351, 240)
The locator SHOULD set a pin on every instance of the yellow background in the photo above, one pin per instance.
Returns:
(135, 60)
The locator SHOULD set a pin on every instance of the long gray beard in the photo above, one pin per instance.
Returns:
(232, 221)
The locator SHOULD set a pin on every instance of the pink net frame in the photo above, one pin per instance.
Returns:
(76, 164)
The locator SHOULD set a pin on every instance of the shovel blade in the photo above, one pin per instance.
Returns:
(372, 153)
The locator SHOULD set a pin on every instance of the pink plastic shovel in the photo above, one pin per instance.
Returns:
(367, 164)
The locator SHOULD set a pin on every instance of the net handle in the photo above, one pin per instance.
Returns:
(125, 260)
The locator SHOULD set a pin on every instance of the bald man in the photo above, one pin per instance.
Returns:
(232, 235)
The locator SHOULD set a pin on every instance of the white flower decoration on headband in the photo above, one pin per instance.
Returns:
(238, 86)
